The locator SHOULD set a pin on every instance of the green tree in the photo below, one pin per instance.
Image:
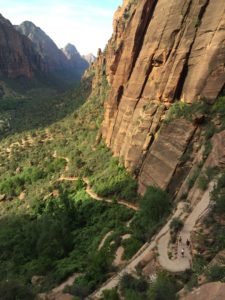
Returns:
(163, 289)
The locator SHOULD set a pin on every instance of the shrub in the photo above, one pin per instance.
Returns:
(163, 289)
(184, 110)
(218, 195)
(131, 246)
(203, 183)
(155, 204)
(176, 224)
(110, 295)
(128, 282)
(193, 178)
(11, 289)
(216, 273)
(154, 208)
(210, 130)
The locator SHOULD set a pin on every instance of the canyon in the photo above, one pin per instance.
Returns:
(102, 186)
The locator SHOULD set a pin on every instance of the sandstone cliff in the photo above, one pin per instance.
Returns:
(160, 52)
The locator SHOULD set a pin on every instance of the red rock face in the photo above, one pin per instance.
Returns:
(164, 51)
(212, 290)
(17, 55)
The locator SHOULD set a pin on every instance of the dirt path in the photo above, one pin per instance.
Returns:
(68, 178)
(68, 282)
(96, 197)
(89, 190)
(57, 293)
(118, 257)
(104, 239)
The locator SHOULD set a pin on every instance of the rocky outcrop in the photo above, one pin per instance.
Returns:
(17, 56)
(217, 155)
(160, 163)
(212, 290)
(160, 51)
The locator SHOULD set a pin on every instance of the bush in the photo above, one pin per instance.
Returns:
(216, 273)
(14, 290)
(203, 183)
(110, 295)
(193, 178)
(154, 208)
(131, 246)
(163, 289)
(209, 131)
(155, 204)
(184, 110)
(218, 195)
(128, 282)
(176, 225)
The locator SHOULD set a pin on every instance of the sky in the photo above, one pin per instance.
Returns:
(85, 23)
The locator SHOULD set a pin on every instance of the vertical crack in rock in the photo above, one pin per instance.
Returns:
(119, 95)
(183, 75)
(148, 10)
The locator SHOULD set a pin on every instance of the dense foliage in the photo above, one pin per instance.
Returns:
(155, 206)
(60, 237)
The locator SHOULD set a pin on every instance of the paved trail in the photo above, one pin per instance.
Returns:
(182, 263)
(161, 241)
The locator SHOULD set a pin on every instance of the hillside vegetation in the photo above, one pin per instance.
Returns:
(51, 227)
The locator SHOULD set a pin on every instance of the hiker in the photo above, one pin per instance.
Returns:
(182, 252)
(188, 243)
(180, 239)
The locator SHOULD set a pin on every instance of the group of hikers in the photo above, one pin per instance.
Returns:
(187, 243)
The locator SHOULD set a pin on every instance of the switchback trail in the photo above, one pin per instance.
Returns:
(161, 240)
(89, 189)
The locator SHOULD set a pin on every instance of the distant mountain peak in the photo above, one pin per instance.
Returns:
(27, 51)
(33, 32)
(4, 20)
(70, 50)
(45, 46)
(28, 24)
